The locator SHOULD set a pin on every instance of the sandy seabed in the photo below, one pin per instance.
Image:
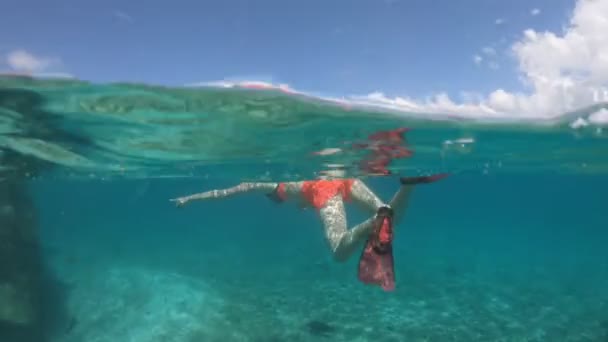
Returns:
(435, 301)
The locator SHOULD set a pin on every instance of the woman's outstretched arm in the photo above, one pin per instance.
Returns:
(222, 193)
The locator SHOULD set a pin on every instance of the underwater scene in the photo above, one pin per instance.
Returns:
(503, 235)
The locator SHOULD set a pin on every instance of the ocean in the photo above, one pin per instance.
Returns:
(510, 247)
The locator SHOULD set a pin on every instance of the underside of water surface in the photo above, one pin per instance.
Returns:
(510, 247)
(130, 130)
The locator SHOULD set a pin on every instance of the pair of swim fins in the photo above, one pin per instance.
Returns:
(376, 264)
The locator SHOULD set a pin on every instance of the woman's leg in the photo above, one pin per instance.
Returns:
(365, 197)
(399, 202)
(343, 242)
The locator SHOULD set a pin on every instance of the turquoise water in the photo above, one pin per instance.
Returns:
(510, 247)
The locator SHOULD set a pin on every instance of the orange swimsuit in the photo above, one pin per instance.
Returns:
(318, 192)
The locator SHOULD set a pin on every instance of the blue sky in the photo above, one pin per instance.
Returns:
(413, 48)
(345, 46)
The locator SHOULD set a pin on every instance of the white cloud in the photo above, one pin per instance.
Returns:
(488, 51)
(564, 71)
(243, 83)
(23, 61)
(26, 63)
(490, 54)
(579, 123)
(499, 21)
(123, 16)
(535, 12)
(600, 117)
(561, 72)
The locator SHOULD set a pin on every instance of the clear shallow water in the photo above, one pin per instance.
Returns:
(512, 247)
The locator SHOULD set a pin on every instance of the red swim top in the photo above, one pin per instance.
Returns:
(318, 192)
